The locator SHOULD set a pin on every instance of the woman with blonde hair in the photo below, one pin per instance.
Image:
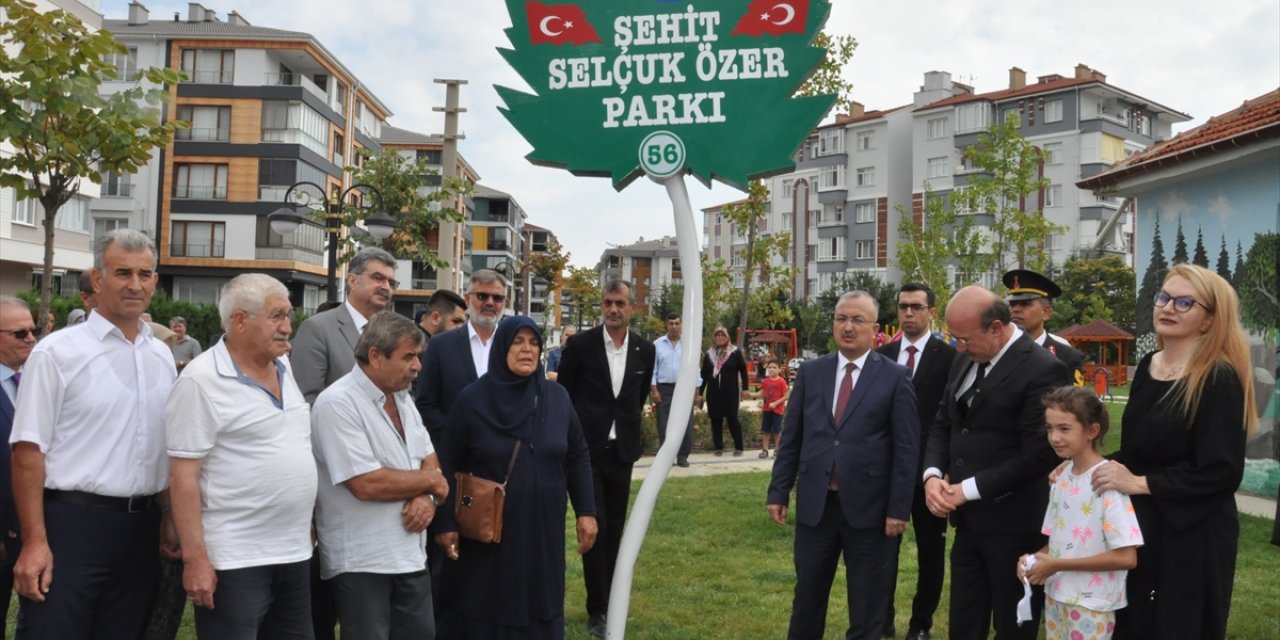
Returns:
(1181, 459)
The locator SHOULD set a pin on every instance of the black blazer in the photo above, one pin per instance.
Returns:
(1000, 441)
(584, 373)
(933, 364)
(448, 369)
(8, 510)
(1069, 356)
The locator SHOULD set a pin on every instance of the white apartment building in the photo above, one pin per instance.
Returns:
(648, 265)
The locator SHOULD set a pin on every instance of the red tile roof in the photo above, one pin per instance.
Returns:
(842, 119)
(1256, 119)
(1005, 94)
(1095, 329)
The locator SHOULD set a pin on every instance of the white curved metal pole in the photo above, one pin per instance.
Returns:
(678, 418)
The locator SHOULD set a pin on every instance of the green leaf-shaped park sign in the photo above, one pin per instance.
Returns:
(626, 87)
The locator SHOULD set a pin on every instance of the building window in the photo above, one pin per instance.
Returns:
(831, 249)
(972, 117)
(937, 128)
(831, 177)
(866, 176)
(864, 212)
(24, 209)
(209, 66)
(864, 249)
(938, 167)
(499, 239)
(207, 123)
(197, 239)
(74, 215)
(430, 156)
(103, 226)
(830, 215)
(786, 187)
(866, 140)
(1017, 117)
(126, 64)
(830, 141)
(1053, 153)
(1053, 196)
(1053, 111)
(295, 123)
(1144, 125)
(114, 184)
(339, 149)
(200, 181)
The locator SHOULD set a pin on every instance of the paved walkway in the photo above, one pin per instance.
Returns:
(707, 464)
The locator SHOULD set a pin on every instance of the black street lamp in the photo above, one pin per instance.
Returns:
(287, 218)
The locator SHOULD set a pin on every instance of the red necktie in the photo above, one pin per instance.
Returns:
(842, 403)
(911, 359)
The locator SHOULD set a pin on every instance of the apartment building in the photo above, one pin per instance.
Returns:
(856, 177)
(649, 265)
(497, 238)
(268, 108)
(22, 229)
(538, 298)
(451, 241)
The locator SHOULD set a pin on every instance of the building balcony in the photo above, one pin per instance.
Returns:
(178, 250)
(296, 80)
(289, 254)
(424, 284)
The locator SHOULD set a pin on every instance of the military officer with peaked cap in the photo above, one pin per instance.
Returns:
(1030, 298)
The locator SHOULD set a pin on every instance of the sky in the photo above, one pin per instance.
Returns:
(1200, 58)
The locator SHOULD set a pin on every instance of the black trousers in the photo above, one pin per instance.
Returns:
(324, 610)
(931, 558)
(719, 414)
(105, 569)
(270, 602)
(665, 391)
(868, 555)
(390, 606)
(985, 588)
(12, 547)
(612, 479)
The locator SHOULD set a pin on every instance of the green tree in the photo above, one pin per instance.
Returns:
(62, 130)
(829, 78)
(1093, 289)
(583, 288)
(1008, 168)
(1179, 246)
(884, 293)
(719, 298)
(747, 215)
(941, 232)
(1259, 298)
(1238, 272)
(1224, 261)
(407, 197)
(1152, 280)
(1200, 257)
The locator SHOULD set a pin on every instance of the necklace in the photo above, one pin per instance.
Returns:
(1167, 371)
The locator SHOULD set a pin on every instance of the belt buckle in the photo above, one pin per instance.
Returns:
(143, 502)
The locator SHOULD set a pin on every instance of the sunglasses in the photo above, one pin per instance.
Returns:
(1181, 304)
(914, 308)
(497, 298)
(22, 334)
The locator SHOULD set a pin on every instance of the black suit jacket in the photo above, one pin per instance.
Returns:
(584, 373)
(447, 371)
(1069, 356)
(1000, 441)
(933, 365)
(8, 512)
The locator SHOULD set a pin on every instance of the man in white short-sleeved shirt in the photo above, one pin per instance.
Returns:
(242, 476)
(379, 484)
(89, 469)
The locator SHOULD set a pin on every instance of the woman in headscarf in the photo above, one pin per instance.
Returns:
(722, 368)
(515, 588)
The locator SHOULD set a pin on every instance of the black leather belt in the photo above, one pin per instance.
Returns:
(134, 504)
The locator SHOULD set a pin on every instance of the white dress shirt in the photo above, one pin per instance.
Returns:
(93, 402)
(6, 384)
(919, 343)
(479, 350)
(356, 317)
(617, 359)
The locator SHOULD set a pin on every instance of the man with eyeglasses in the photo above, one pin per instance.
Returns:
(1030, 299)
(929, 361)
(90, 473)
(323, 351)
(242, 476)
(986, 463)
(17, 338)
(455, 359)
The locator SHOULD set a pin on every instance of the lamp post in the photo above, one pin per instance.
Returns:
(287, 218)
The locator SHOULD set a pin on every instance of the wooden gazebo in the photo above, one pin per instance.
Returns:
(1105, 346)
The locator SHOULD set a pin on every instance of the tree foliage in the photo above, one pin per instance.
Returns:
(1179, 245)
(941, 232)
(1200, 257)
(1259, 284)
(62, 130)
(1223, 266)
(829, 79)
(1095, 289)
(582, 286)
(1152, 280)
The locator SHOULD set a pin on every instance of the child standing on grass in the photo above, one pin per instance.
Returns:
(773, 389)
(1093, 539)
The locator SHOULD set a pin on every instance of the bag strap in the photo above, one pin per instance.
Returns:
(515, 451)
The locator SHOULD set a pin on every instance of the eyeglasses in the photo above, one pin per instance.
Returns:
(497, 298)
(275, 317)
(966, 341)
(381, 279)
(22, 334)
(1181, 304)
(858, 321)
(914, 308)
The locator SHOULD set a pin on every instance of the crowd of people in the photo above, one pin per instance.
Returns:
(291, 485)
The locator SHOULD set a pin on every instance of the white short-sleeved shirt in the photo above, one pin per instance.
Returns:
(94, 404)
(258, 480)
(353, 436)
(1080, 524)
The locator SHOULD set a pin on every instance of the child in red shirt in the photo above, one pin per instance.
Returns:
(774, 391)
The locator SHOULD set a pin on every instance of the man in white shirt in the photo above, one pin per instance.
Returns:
(243, 480)
(90, 472)
(379, 484)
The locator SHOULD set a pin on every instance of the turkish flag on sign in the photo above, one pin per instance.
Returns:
(773, 17)
(558, 24)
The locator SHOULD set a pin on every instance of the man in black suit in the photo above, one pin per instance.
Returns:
(607, 371)
(1030, 299)
(987, 460)
(17, 338)
(445, 311)
(929, 361)
(850, 446)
